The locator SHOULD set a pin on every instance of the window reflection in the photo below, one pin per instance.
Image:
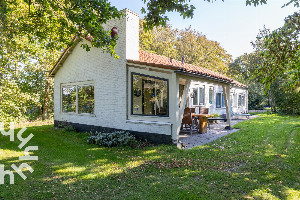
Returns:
(150, 95)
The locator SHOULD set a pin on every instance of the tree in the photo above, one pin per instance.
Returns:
(242, 69)
(200, 51)
(156, 10)
(280, 66)
(13, 102)
(280, 50)
(195, 47)
(160, 40)
(58, 21)
(24, 67)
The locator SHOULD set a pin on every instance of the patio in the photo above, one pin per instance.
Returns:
(216, 130)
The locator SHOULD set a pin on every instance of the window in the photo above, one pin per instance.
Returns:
(195, 96)
(211, 95)
(223, 101)
(149, 95)
(232, 100)
(241, 100)
(201, 95)
(69, 99)
(220, 101)
(198, 96)
(78, 98)
(86, 99)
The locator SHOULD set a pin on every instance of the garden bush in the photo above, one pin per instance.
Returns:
(114, 139)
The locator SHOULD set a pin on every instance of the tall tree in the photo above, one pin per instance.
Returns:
(200, 51)
(280, 50)
(156, 10)
(194, 46)
(56, 21)
(280, 67)
(24, 67)
(160, 40)
(242, 69)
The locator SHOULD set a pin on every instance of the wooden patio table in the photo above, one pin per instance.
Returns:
(202, 121)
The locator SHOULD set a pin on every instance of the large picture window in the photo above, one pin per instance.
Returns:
(149, 95)
(78, 98)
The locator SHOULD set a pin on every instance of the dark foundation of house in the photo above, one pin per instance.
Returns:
(150, 137)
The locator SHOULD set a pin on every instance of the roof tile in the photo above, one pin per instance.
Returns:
(147, 58)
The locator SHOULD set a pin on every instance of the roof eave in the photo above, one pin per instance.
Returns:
(152, 64)
(202, 76)
(63, 57)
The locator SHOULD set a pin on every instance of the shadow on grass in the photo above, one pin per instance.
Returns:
(255, 162)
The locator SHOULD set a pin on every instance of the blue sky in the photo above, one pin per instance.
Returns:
(231, 23)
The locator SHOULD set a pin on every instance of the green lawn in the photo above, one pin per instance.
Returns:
(260, 161)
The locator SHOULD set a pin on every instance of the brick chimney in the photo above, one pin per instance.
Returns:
(128, 33)
(132, 34)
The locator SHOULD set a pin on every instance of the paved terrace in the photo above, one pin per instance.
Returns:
(215, 132)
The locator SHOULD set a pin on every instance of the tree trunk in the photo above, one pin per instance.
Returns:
(272, 101)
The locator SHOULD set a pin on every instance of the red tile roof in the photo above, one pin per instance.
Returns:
(239, 84)
(151, 59)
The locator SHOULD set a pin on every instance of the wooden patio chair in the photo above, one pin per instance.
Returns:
(203, 110)
(195, 119)
(187, 120)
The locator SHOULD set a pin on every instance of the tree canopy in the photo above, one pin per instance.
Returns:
(275, 64)
(156, 10)
(280, 50)
(53, 22)
(194, 46)
(33, 32)
(242, 69)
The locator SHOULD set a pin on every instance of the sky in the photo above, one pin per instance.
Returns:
(231, 23)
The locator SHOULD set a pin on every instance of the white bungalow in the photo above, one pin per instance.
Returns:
(141, 92)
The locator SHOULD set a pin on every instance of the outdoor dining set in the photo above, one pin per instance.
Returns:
(192, 120)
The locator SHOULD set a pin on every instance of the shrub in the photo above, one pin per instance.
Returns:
(114, 139)
(65, 126)
(215, 115)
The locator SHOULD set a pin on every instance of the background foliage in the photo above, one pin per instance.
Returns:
(33, 33)
(191, 44)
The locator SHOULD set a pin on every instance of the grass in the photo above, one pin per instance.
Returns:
(260, 161)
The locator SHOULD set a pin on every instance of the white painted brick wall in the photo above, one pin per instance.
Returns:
(109, 76)
(217, 88)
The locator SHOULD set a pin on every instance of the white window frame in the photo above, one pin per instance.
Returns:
(222, 97)
(197, 103)
(198, 96)
(243, 99)
(201, 87)
(212, 96)
(76, 84)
